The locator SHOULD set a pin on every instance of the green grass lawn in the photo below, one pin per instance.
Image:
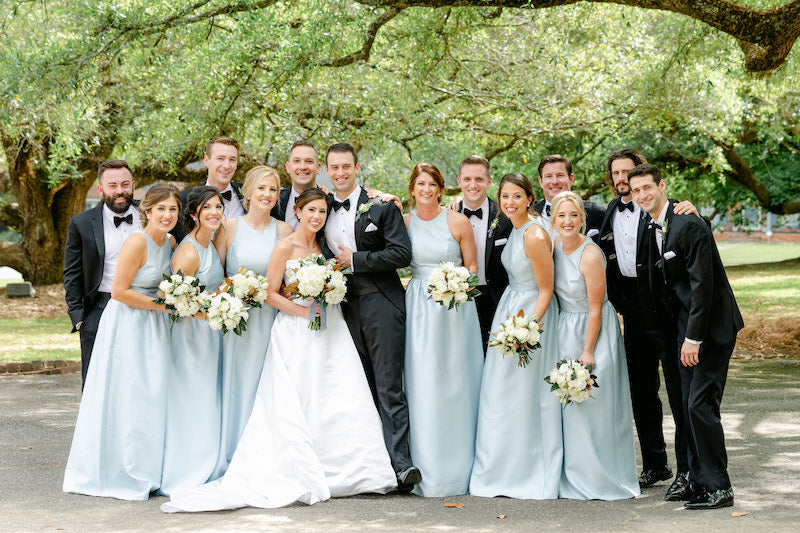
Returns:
(749, 253)
(6, 281)
(769, 290)
(31, 339)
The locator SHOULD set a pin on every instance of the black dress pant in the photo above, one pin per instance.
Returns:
(646, 345)
(703, 386)
(378, 329)
(88, 332)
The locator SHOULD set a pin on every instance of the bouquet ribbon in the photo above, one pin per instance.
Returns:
(312, 315)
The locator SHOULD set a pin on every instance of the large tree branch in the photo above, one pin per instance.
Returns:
(13, 255)
(10, 216)
(369, 40)
(766, 36)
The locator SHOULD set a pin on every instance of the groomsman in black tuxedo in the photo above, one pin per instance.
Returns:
(555, 176)
(94, 239)
(689, 276)
(369, 236)
(303, 167)
(221, 159)
(491, 229)
(649, 334)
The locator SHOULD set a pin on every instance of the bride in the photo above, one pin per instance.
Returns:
(314, 432)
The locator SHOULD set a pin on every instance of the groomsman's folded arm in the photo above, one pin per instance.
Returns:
(396, 254)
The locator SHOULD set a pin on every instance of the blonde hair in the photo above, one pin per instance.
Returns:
(254, 177)
(569, 196)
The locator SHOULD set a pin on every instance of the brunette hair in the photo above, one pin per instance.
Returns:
(342, 148)
(626, 153)
(157, 193)
(427, 168)
(230, 141)
(112, 163)
(569, 196)
(302, 142)
(645, 169)
(253, 178)
(198, 197)
(476, 160)
(555, 158)
(520, 180)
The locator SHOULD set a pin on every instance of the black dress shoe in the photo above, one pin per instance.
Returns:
(681, 489)
(712, 500)
(407, 479)
(654, 475)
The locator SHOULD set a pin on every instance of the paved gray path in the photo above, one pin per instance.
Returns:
(761, 417)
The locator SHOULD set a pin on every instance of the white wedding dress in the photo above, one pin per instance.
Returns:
(314, 432)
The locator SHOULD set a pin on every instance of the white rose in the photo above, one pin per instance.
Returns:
(533, 336)
(460, 297)
(446, 299)
(176, 278)
(521, 334)
(581, 396)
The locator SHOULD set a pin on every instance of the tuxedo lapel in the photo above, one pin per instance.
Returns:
(360, 221)
(490, 233)
(539, 207)
(237, 188)
(97, 230)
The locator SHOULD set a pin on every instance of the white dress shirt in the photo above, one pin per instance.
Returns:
(291, 217)
(480, 228)
(113, 238)
(626, 227)
(231, 208)
(546, 216)
(340, 228)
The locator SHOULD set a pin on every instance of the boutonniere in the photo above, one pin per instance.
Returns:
(493, 225)
(363, 208)
(665, 227)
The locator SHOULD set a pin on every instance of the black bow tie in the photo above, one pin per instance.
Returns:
(654, 225)
(547, 209)
(227, 195)
(470, 213)
(622, 206)
(337, 204)
(126, 219)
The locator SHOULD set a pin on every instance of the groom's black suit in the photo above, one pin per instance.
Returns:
(375, 313)
(496, 276)
(84, 257)
(649, 337)
(699, 298)
(279, 209)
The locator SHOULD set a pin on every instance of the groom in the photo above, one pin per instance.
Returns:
(369, 236)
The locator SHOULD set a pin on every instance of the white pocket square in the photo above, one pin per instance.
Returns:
(669, 255)
(370, 227)
(592, 232)
(500, 242)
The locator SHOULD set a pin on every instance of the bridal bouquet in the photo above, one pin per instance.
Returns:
(183, 296)
(572, 381)
(227, 312)
(246, 285)
(319, 280)
(518, 336)
(451, 285)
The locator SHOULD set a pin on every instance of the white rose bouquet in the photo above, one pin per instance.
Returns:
(518, 336)
(182, 295)
(572, 381)
(452, 285)
(227, 312)
(248, 286)
(319, 280)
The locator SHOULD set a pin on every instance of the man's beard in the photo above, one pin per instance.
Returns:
(619, 192)
(109, 201)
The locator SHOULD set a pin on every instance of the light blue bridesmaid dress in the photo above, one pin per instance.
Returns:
(443, 365)
(243, 357)
(599, 455)
(118, 445)
(193, 401)
(518, 449)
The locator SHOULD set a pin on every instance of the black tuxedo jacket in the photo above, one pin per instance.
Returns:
(594, 215)
(496, 275)
(179, 231)
(699, 297)
(279, 209)
(380, 251)
(84, 256)
(606, 242)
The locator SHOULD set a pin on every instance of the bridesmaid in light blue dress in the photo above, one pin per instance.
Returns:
(118, 445)
(444, 352)
(518, 450)
(247, 241)
(193, 401)
(599, 456)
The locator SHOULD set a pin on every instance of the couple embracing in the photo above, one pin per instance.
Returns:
(314, 431)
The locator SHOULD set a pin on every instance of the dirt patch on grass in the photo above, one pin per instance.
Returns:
(48, 302)
(769, 337)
